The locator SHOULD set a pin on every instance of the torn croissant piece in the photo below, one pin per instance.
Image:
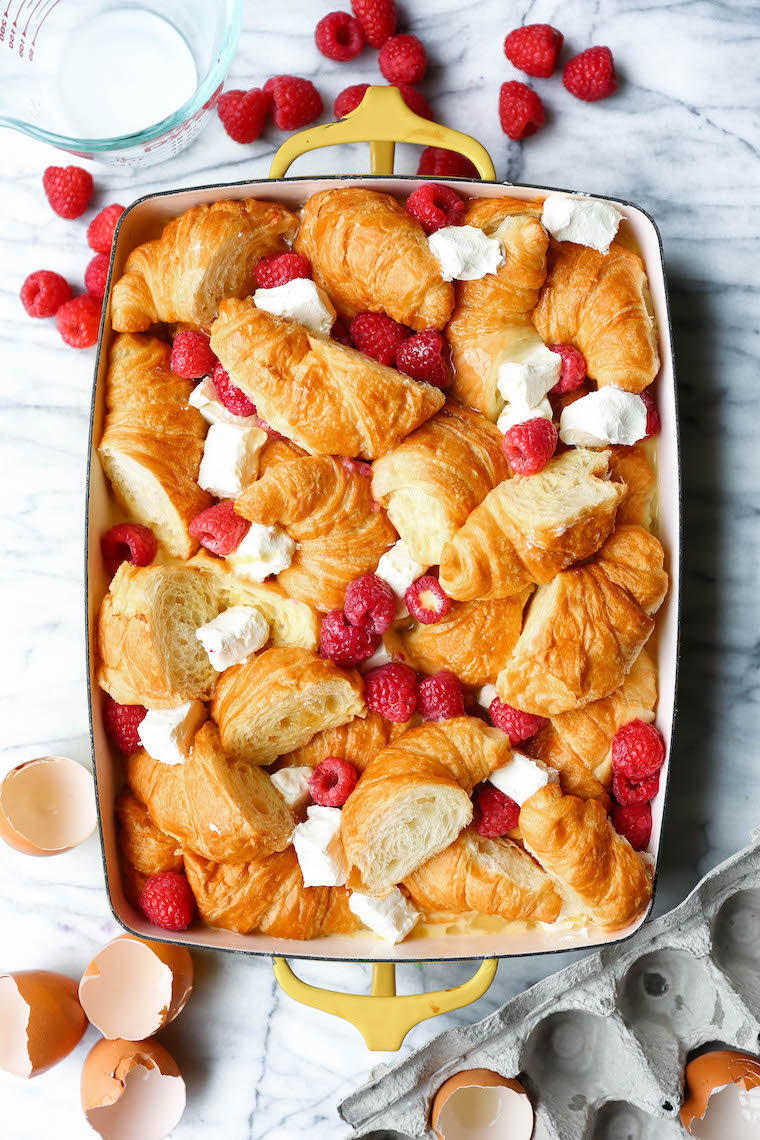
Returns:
(359, 741)
(152, 445)
(597, 871)
(369, 253)
(280, 700)
(532, 526)
(600, 304)
(326, 507)
(327, 398)
(148, 849)
(414, 799)
(431, 482)
(630, 465)
(208, 253)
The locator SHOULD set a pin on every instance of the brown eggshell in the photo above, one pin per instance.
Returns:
(460, 1113)
(709, 1074)
(47, 806)
(132, 1089)
(132, 988)
(41, 1021)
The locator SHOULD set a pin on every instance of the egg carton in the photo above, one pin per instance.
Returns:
(601, 1046)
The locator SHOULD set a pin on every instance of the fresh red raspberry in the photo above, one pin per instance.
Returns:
(339, 36)
(534, 49)
(332, 782)
(517, 724)
(435, 206)
(296, 101)
(279, 268)
(167, 901)
(495, 813)
(627, 793)
(68, 190)
(233, 399)
(219, 529)
(377, 19)
(78, 320)
(415, 100)
(192, 356)
(520, 110)
(378, 335)
(346, 644)
(121, 723)
(422, 357)
(638, 751)
(340, 333)
(591, 75)
(426, 600)
(653, 414)
(244, 113)
(370, 597)
(43, 293)
(128, 542)
(634, 822)
(441, 163)
(528, 447)
(101, 229)
(402, 59)
(349, 99)
(391, 690)
(573, 369)
(96, 275)
(440, 697)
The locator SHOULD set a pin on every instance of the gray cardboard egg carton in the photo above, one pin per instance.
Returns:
(601, 1046)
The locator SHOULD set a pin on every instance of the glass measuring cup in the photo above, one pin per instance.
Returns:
(123, 82)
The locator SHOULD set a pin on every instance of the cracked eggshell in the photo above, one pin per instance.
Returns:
(478, 1104)
(722, 1096)
(132, 988)
(47, 806)
(132, 1089)
(41, 1021)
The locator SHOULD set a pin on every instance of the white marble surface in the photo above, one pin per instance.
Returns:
(681, 140)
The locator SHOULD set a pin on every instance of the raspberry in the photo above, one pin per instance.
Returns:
(528, 447)
(520, 110)
(101, 229)
(192, 356)
(244, 113)
(421, 357)
(279, 268)
(340, 333)
(638, 751)
(120, 722)
(78, 320)
(346, 644)
(653, 415)
(296, 101)
(517, 724)
(167, 901)
(496, 813)
(128, 542)
(441, 163)
(332, 782)
(370, 597)
(415, 100)
(402, 59)
(96, 275)
(219, 529)
(68, 190)
(43, 293)
(440, 697)
(378, 335)
(377, 19)
(534, 49)
(627, 793)
(591, 75)
(391, 690)
(339, 36)
(349, 99)
(634, 822)
(573, 369)
(426, 600)
(233, 399)
(435, 206)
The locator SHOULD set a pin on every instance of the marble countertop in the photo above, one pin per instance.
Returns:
(680, 139)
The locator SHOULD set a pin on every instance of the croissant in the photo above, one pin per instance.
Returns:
(414, 798)
(278, 451)
(630, 465)
(600, 304)
(153, 441)
(326, 507)
(431, 482)
(359, 741)
(147, 650)
(279, 700)
(369, 253)
(532, 526)
(208, 253)
(594, 867)
(633, 559)
(490, 876)
(327, 398)
(140, 841)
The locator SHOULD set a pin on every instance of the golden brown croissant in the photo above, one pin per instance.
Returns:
(414, 799)
(279, 700)
(532, 526)
(633, 558)
(329, 399)
(600, 304)
(433, 480)
(630, 465)
(153, 441)
(140, 841)
(359, 741)
(369, 253)
(596, 870)
(148, 653)
(208, 253)
(278, 451)
(326, 507)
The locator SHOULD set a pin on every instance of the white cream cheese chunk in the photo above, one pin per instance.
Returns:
(487, 695)
(265, 550)
(530, 374)
(167, 734)
(465, 253)
(603, 417)
(519, 413)
(521, 777)
(204, 397)
(230, 459)
(585, 221)
(233, 636)
(299, 300)
(391, 918)
(319, 848)
(399, 570)
(293, 786)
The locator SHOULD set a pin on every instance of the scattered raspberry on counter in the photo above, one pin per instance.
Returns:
(332, 782)
(495, 813)
(68, 190)
(349, 99)
(440, 697)
(121, 723)
(43, 293)
(426, 600)
(279, 268)
(626, 792)
(521, 112)
(296, 101)
(517, 724)
(415, 100)
(422, 357)
(233, 398)
(191, 356)
(441, 163)
(534, 49)
(591, 75)
(653, 414)
(244, 113)
(378, 335)
(369, 597)
(377, 19)
(573, 369)
(101, 229)
(528, 447)
(634, 822)
(128, 542)
(78, 321)
(96, 275)
(435, 206)
(219, 529)
(638, 751)
(403, 59)
(167, 901)
(339, 36)
(346, 644)
(391, 690)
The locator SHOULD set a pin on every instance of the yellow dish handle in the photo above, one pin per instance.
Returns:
(382, 119)
(382, 1018)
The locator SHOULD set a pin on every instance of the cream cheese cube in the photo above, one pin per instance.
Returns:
(299, 300)
(529, 375)
(399, 570)
(391, 918)
(167, 734)
(293, 786)
(465, 253)
(520, 413)
(319, 848)
(603, 417)
(230, 459)
(204, 397)
(233, 636)
(585, 221)
(520, 778)
(265, 550)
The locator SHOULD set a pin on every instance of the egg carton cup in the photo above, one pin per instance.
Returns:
(601, 1046)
